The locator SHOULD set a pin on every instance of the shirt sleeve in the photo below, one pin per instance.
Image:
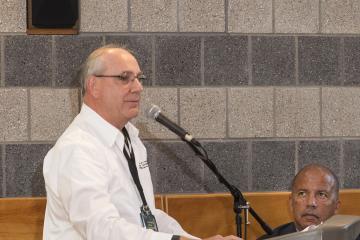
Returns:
(82, 189)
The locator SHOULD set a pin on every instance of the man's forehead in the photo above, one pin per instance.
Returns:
(119, 58)
(314, 179)
(117, 53)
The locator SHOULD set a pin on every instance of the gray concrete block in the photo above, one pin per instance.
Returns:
(327, 153)
(27, 60)
(272, 165)
(202, 16)
(2, 166)
(13, 16)
(340, 16)
(352, 164)
(203, 111)
(232, 160)
(177, 60)
(167, 100)
(250, 16)
(273, 60)
(351, 61)
(297, 112)
(296, 16)
(154, 16)
(250, 112)
(178, 170)
(71, 52)
(340, 111)
(1, 64)
(52, 110)
(319, 61)
(141, 47)
(226, 61)
(104, 16)
(13, 114)
(23, 168)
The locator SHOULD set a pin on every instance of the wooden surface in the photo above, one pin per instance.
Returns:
(52, 31)
(21, 218)
(200, 214)
(206, 215)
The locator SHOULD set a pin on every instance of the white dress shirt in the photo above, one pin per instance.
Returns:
(90, 191)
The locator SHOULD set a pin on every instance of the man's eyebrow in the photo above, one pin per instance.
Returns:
(129, 71)
(323, 190)
(302, 189)
(317, 190)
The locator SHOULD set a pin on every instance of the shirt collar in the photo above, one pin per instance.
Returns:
(102, 129)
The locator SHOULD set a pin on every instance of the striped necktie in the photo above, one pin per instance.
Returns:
(127, 144)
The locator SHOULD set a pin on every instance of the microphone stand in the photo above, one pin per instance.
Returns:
(239, 200)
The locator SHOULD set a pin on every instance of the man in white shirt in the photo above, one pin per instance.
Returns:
(97, 178)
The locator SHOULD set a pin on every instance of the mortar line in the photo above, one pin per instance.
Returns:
(250, 162)
(227, 123)
(319, 20)
(178, 15)
(29, 130)
(202, 62)
(297, 83)
(3, 156)
(53, 63)
(2, 61)
(129, 15)
(226, 15)
(249, 58)
(296, 160)
(341, 164)
(273, 16)
(153, 62)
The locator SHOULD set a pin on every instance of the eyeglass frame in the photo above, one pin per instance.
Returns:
(140, 76)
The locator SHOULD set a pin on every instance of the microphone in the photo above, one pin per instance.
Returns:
(154, 112)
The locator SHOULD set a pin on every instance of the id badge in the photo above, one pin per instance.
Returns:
(148, 220)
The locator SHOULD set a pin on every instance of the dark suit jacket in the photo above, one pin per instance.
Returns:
(284, 229)
(281, 230)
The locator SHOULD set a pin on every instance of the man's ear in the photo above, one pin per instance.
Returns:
(337, 207)
(291, 209)
(92, 86)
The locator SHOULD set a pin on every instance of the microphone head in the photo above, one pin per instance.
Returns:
(153, 112)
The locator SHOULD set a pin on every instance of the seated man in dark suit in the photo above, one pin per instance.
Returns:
(314, 198)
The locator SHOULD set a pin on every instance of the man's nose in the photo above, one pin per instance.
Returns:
(136, 86)
(311, 201)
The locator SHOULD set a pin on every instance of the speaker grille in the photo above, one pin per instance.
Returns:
(54, 13)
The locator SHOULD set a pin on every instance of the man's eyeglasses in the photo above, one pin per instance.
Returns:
(126, 77)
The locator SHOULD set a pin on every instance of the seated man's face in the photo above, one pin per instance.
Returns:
(313, 199)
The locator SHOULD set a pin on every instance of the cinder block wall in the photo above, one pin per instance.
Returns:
(266, 85)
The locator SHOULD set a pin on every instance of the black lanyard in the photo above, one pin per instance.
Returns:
(132, 165)
(146, 216)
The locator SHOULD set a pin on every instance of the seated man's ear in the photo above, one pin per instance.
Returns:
(338, 204)
(290, 203)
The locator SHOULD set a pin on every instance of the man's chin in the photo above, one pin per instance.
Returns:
(133, 113)
(309, 220)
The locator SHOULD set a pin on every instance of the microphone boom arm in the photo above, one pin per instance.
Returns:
(239, 199)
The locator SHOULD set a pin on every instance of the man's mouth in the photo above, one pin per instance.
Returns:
(134, 101)
(310, 217)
